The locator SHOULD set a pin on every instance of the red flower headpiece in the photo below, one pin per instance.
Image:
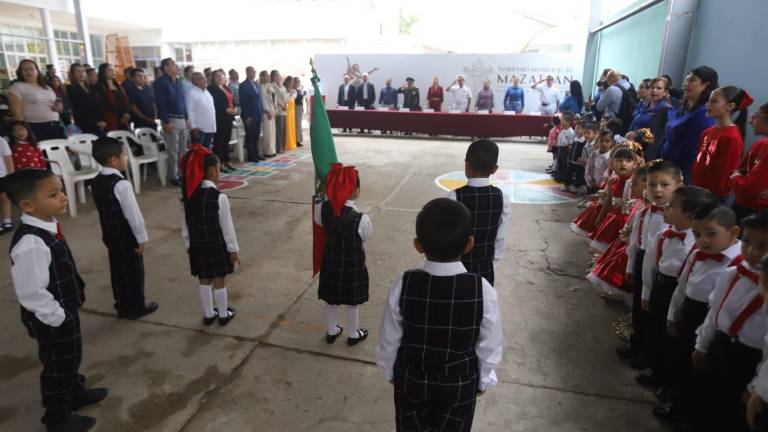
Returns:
(340, 184)
(192, 167)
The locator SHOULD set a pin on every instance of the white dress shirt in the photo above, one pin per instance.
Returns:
(754, 330)
(366, 226)
(652, 223)
(200, 110)
(127, 199)
(461, 97)
(30, 274)
(225, 221)
(699, 278)
(489, 343)
(566, 137)
(548, 95)
(506, 211)
(671, 257)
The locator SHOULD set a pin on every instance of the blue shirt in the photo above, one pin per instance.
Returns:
(571, 104)
(141, 98)
(169, 97)
(514, 94)
(644, 113)
(683, 132)
(388, 96)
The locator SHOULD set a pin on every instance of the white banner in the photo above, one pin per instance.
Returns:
(498, 68)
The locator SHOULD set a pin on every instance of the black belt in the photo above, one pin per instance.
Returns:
(176, 116)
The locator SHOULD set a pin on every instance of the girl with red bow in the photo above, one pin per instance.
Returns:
(343, 274)
(208, 232)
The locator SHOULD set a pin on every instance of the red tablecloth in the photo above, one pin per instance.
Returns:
(442, 123)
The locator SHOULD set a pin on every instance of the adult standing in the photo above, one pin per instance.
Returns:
(549, 99)
(610, 101)
(290, 113)
(435, 95)
(644, 104)
(33, 101)
(281, 103)
(234, 86)
(300, 94)
(684, 128)
(201, 111)
(142, 100)
(347, 94)
(50, 72)
(514, 98)
(251, 112)
(224, 103)
(114, 100)
(86, 102)
(411, 96)
(66, 113)
(462, 95)
(656, 116)
(92, 75)
(186, 82)
(388, 95)
(172, 112)
(268, 141)
(366, 93)
(574, 102)
(485, 99)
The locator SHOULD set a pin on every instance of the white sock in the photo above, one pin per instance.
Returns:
(220, 295)
(353, 321)
(330, 320)
(206, 299)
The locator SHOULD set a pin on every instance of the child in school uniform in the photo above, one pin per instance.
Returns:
(122, 229)
(579, 179)
(25, 152)
(597, 167)
(662, 264)
(663, 179)
(751, 179)
(565, 139)
(208, 232)
(716, 231)
(50, 299)
(757, 409)
(6, 168)
(441, 336)
(552, 142)
(729, 342)
(574, 173)
(489, 207)
(343, 273)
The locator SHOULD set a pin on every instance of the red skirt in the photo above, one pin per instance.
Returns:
(608, 274)
(608, 230)
(586, 221)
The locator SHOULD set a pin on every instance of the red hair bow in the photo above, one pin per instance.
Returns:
(191, 165)
(746, 101)
(340, 184)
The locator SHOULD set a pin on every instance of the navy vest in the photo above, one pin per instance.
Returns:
(115, 230)
(486, 204)
(441, 321)
(64, 282)
(203, 215)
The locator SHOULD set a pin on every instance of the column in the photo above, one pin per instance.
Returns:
(50, 43)
(677, 38)
(82, 30)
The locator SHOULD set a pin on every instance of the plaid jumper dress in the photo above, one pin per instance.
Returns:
(208, 255)
(126, 266)
(436, 372)
(343, 274)
(59, 348)
(486, 204)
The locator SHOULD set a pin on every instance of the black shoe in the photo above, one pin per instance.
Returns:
(270, 156)
(626, 351)
(332, 338)
(230, 316)
(89, 397)
(175, 182)
(639, 362)
(299, 145)
(648, 379)
(668, 414)
(73, 423)
(138, 313)
(361, 333)
(7, 227)
(667, 394)
(208, 321)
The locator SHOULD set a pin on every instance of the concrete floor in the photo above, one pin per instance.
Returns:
(270, 369)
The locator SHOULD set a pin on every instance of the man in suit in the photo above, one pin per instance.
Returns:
(251, 111)
(347, 96)
(366, 95)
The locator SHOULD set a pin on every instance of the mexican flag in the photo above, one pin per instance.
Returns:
(323, 155)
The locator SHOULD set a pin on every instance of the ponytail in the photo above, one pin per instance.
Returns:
(742, 100)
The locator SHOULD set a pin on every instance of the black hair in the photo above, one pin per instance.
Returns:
(708, 75)
(764, 108)
(764, 268)
(105, 148)
(31, 139)
(567, 116)
(165, 62)
(645, 83)
(72, 69)
(590, 125)
(666, 167)
(443, 228)
(555, 121)
(692, 198)
(577, 93)
(22, 184)
(482, 156)
(641, 171)
(187, 69)
(718, 213)
(615, 125)
(757, 221)
(605, 133)
(210, 160)
(135, 71)
(40, 80)
(103, 77)
(624, 153)
(736, 95)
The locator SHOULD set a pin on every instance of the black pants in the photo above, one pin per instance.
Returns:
(47, 130)
(575, 175)
(60, 350)
(562, 163)
(639, 316)
(426, 402)
(126, 270)
(484, 269)
(221, 140)
(692, 315)
(659, 343)
(252, 133)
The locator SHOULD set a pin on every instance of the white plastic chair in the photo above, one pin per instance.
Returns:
(82, 144)
(238, 139)
(135, 162)
(150, 141)
(61, 165)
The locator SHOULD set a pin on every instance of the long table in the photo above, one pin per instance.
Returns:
(495, 125)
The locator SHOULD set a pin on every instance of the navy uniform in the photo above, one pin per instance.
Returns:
(490, 211)
(50, 301)
(441, 340)
(122, 231)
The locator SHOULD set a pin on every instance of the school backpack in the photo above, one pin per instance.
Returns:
(627, 106)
